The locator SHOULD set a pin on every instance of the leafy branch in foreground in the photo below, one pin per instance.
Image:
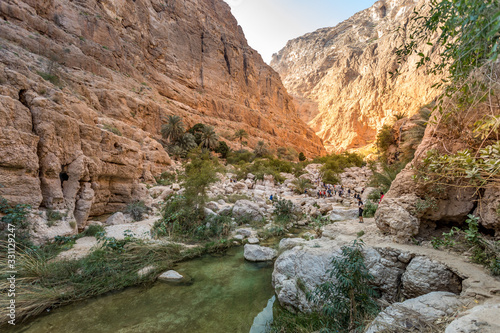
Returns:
(469, 35)
(463, 168)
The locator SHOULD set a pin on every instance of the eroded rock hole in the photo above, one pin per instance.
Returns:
(63, 176)
(22, 97)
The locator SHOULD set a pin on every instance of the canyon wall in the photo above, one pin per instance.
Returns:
(86, 85)
(342, 78)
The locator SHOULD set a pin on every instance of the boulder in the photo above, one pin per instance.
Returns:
(418, 314)
(212, 205)
(146, 271)
(240, 187)
(171, 276)
(341, 214)
(209, 212)
(249, 183)
(393, 216)
(247, 208)
(488, 210)
(259, 253)
(41, 233)
(226, 211)
(481, 318)
(244, 232)
(253, 240)
(228, 190)
(176, 187)
(424, 275)
(118, 218)
(290, 243)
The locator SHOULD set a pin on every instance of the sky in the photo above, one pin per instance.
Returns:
(269, 24)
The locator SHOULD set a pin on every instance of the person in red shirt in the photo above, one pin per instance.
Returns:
(381, 197)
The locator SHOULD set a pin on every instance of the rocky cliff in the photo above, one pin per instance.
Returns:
(342, 79)
(86, 85)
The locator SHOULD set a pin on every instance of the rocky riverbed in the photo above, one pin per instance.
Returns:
(434, 286)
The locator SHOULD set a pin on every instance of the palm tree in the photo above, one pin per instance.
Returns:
(240, 134)
(301, 185)
(261, 149)
(186, 142)
(173, 129)
(209, 139)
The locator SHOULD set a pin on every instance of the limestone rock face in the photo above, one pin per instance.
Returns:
(86, 85)
(341, 75)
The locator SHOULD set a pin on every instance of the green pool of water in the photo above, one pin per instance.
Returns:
(225, 296)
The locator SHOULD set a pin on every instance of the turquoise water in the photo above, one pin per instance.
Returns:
(226, 294)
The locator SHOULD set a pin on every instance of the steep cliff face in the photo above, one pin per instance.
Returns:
(345, 71)
(85, 86)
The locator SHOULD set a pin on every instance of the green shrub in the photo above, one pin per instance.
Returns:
(335, 164)
(301, 185)
(284, 211)
(52, 78)
(223, 149)
(383, 180)
(370, 209)
(484, 251)
(15, 222)
(112, 129)
(302, 157)
(215, 226)
(180, 218)
(53, 216)
(347, 300)
(137, 209)
(270, 166)
(385, 138)
(93, 230)
(166, 178)
(239, 157)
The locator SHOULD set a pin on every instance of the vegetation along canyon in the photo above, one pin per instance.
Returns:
(157, 175)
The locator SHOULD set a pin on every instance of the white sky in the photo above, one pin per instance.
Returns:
(269, 24)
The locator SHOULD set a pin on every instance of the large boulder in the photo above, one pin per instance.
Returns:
(488, 210)
(305, 264)
(119, 218)
(290, 243)
(302, 268)
(240, 187)
(259, 253)
(424, 275)
(394, 216)
(416, 314)
(247, 208)
(482, 318)
(341, 214)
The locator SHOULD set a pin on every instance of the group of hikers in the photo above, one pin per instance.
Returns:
(329, 191)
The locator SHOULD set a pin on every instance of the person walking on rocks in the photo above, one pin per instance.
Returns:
(361, 208)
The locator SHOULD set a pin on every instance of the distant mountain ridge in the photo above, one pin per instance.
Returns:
(341, 75)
